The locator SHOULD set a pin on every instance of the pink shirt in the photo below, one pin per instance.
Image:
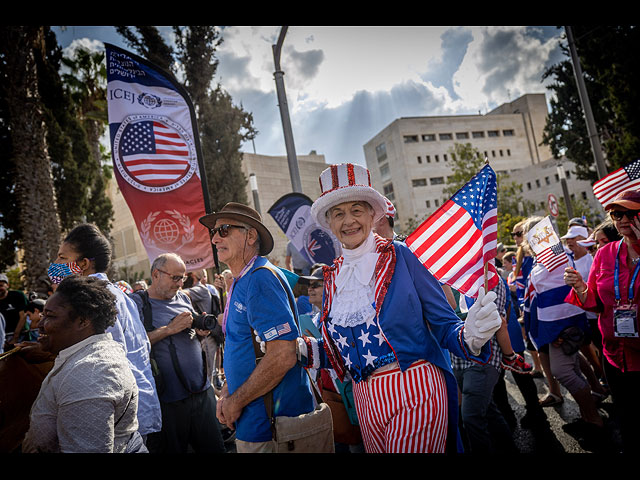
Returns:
(623, 353)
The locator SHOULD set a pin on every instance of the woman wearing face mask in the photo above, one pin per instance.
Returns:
(386, 322)
(87, 252)
(612, 290)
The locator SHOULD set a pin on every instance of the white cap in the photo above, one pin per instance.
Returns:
(576, 231)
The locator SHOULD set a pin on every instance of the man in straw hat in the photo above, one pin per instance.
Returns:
(256, 301)
(387, 325)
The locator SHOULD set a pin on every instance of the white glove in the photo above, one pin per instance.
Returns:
(483, 320)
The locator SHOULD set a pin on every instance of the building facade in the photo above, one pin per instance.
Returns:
(410, 159)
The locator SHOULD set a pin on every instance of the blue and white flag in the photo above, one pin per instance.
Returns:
(292, 213)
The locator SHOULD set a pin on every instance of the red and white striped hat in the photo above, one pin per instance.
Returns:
(346, 182)
(391, 210)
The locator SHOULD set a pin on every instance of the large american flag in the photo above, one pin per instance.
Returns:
(154, 153)
(456, 241)
(553, 257)
(625, 178)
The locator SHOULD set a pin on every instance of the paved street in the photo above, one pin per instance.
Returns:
(559, 441)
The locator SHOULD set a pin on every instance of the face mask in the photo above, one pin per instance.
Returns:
(59, 271)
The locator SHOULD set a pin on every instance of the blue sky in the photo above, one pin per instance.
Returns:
(345, 84)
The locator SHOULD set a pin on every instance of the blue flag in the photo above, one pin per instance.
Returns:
(292, 213)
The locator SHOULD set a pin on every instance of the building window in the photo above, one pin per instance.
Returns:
(557, 177)
(507, 133)
(429, 137)
(446, 136)
(428, 202)
(428, 158)
(437, 158)
(547, 181)
(508, 152)
(436, 180)
(381, 152)
(501, 154)
(493, 133)
(384, 171)
(419, 159)
(444, 157)
(538, 182)
(436, 202)
(388, 191)
(477, 134)
(584, 195)
(419, 182)
(410, 138)
(462, 135)
(528, 185)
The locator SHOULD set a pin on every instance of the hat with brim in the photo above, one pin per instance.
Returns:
(629, 199)
(589, 242)
(346, 182)
(244, 214)
(317, 274)
(576, 232)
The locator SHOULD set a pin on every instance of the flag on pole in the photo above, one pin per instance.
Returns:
(625, 178)
(545, 243)
(292, 213)
(459, 238)
(157, 159)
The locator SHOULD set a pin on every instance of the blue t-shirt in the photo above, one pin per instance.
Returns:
(259, 302)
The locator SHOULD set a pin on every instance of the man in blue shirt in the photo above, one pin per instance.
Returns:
(256, 302)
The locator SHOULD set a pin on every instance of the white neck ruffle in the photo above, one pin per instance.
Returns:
(355, 285)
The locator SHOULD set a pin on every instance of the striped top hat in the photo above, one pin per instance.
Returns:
(346, 182)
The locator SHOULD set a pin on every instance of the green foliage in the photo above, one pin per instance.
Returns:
(608, 58)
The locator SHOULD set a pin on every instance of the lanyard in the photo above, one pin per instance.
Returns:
(616, 275)
(229, 293)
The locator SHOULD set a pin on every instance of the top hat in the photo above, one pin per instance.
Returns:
(244, 214)
(346, 182)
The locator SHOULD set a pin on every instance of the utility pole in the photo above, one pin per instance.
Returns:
(284, 115)
(592, 131)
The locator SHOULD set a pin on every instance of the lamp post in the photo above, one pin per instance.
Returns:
(284, 115)
(565, 189)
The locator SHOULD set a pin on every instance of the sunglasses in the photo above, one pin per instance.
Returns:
(315, 285)
(618, 214)
(223, 230)
(175, 278)
(516, 234)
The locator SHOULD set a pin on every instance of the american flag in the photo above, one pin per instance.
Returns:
(553, 257)
(456, 241)
(154, 153)
(625, 178)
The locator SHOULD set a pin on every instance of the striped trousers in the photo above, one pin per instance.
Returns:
(403, 412)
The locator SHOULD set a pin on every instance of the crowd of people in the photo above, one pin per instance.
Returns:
(402, 362)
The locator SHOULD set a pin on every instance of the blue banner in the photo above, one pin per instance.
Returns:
(292, 213)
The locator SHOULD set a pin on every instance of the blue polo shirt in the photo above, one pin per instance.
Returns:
(259, 302)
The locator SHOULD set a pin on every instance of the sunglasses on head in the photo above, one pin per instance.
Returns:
(223, 230)
(618, 214)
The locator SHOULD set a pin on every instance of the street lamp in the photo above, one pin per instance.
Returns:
(565, 189)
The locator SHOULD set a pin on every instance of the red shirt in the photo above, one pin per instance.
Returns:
(621, 352)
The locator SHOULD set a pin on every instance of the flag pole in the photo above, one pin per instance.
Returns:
(486, 264)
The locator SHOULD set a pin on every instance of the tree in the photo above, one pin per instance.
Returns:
(611, 73)
(149, 44)
(22, 52)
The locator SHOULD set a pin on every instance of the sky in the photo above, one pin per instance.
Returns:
(345, 84)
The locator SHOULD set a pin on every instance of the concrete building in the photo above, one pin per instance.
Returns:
(410, 159)
(273, 181)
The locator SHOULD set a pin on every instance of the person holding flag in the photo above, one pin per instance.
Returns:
(386, 322)
(557, 328)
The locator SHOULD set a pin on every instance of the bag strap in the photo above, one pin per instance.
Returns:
(268, 397)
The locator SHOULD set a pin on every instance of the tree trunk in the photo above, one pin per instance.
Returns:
(35, 197)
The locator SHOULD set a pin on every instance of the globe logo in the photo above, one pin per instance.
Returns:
(166, 231)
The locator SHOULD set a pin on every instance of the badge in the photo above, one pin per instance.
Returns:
(625, 321)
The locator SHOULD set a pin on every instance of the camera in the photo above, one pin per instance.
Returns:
(204, 321)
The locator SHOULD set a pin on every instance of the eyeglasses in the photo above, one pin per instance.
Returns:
(516, 234)
(223, 230)
(618, 214)
(175, 278)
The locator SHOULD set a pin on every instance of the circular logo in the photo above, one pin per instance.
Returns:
(154, 154)
(166, 231)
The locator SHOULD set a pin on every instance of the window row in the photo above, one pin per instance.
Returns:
(432, 137)
(547, 180)
(445, 158)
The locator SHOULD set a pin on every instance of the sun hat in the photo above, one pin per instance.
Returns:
(244, 214)
(346, 182)
(629, 199)
(576, 231)
(317, 274)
